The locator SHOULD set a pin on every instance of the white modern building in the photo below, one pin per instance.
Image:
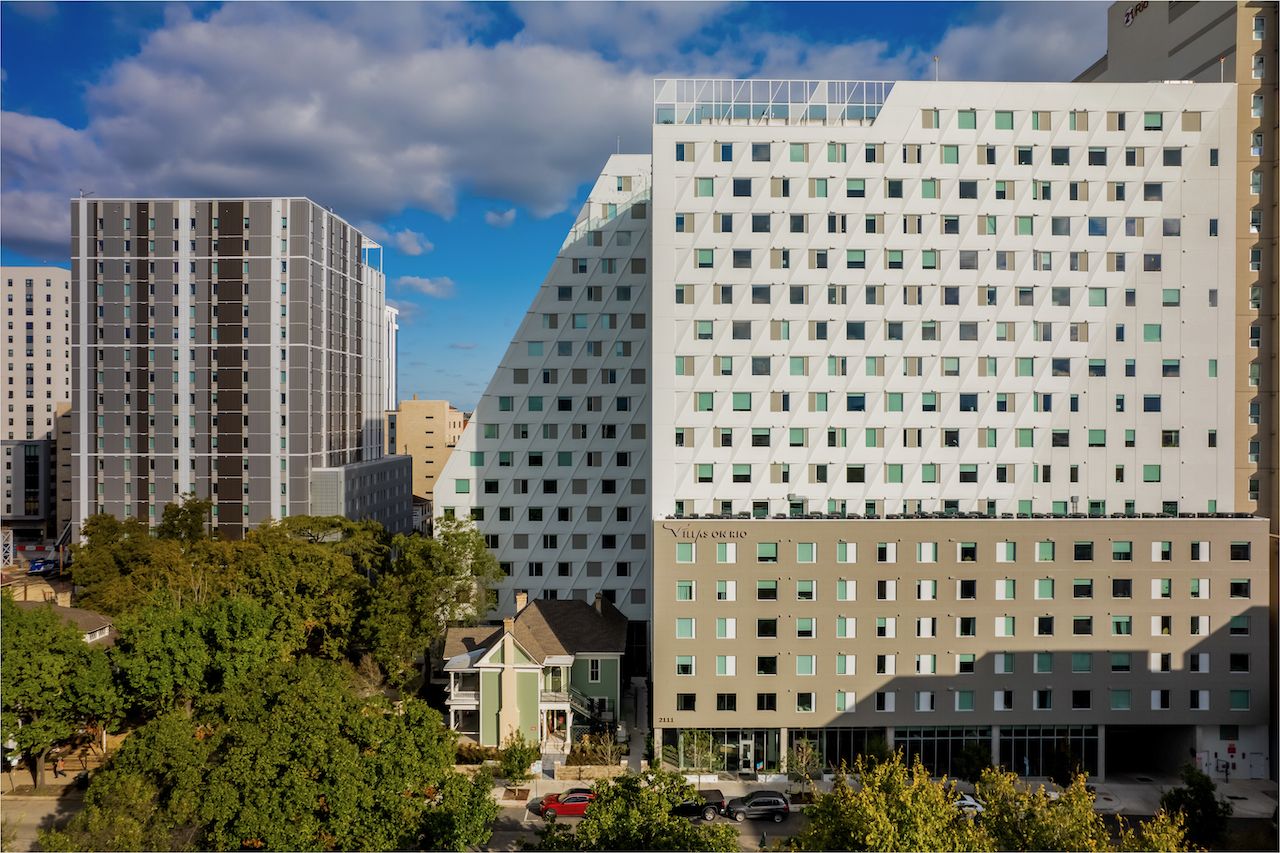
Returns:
(554, 462)
(230, 349)
(943, 297)
(390, 364)
(873, 317)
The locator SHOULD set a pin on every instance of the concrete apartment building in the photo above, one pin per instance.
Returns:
(1236, 42)
(37, 379)
(231, 349)
(427, 431)
(960, 320)
(909, 302)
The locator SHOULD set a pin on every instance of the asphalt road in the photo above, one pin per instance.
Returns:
(515, 826)
(23, 816)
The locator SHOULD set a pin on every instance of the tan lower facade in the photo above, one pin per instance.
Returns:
(427, 430)
(1045, 629)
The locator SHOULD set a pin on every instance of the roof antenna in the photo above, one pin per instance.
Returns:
(619, 151)
(1222, 68)
(935, 68)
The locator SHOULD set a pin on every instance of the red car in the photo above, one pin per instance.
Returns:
(568, 804)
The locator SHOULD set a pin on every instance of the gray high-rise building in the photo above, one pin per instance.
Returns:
(232, 349)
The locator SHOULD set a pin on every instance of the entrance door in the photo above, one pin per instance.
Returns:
(746, 754)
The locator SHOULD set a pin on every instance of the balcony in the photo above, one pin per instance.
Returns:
(463, 697)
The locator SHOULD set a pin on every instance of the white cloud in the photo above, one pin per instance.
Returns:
(500, 218)
(441, 287)
(416, 105)
(1025, 41)
(412, 243)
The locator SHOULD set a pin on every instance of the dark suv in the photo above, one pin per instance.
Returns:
(770, 805)
(709, 804)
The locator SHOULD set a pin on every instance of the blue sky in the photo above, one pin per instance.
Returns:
(463, 137)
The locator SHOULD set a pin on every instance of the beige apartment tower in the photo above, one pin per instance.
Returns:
(426, 430)
(37, 379)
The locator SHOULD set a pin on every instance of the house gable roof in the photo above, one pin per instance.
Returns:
(547, 628)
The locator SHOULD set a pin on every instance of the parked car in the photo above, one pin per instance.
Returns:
(759, 805)
(710, 803)
(45, 566)
(970, 806)
(564, 805)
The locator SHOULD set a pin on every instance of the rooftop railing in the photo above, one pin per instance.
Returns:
(782, 102)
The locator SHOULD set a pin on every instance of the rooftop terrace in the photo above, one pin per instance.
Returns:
(781, 102)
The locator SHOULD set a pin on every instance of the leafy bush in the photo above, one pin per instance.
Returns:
(474, 753)
(518, 754)
(594, 750)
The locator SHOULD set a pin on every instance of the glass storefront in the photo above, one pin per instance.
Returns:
(1049, 750)
(722, 750)
(938, 746)
(839, 746)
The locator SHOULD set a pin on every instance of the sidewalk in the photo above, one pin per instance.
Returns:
(18, 783)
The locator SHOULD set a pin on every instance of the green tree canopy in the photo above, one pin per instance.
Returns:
(166, 657)
(54, 684)
(294, 759)
(900, 809)
(1204, 812)
(894, 808)
(430, 584)
(1019, 816)
(633, 812)
(312, 586)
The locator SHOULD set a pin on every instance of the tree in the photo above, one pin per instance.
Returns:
(633, 812)
(1018, 816)
(121, 566)
(363, 542)
(160, 658)
(54, 684)
(166, 657)
(517, 756)
(1165, 832)
(185, 522)
(594, 750)
(698, 749)
(462, 815)
(430, 584)
(1203, 811)
(312, 586)
(895, 808)
(121, 812)
(292, 759)
(804, 761)
(115, 559)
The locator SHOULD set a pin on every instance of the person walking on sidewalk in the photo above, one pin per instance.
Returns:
(59, 767)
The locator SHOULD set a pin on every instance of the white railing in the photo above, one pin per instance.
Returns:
(463, 697)
(712, 101)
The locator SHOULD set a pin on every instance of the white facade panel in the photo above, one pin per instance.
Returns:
(968, 289)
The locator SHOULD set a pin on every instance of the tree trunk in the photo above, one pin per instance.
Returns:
(37, 769)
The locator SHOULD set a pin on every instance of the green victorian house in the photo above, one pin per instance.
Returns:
(550, 672)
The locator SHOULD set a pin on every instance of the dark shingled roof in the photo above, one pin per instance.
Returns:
(86, 621)
(546, 628)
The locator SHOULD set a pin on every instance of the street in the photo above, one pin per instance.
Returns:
(23, 816)
(516, 825)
